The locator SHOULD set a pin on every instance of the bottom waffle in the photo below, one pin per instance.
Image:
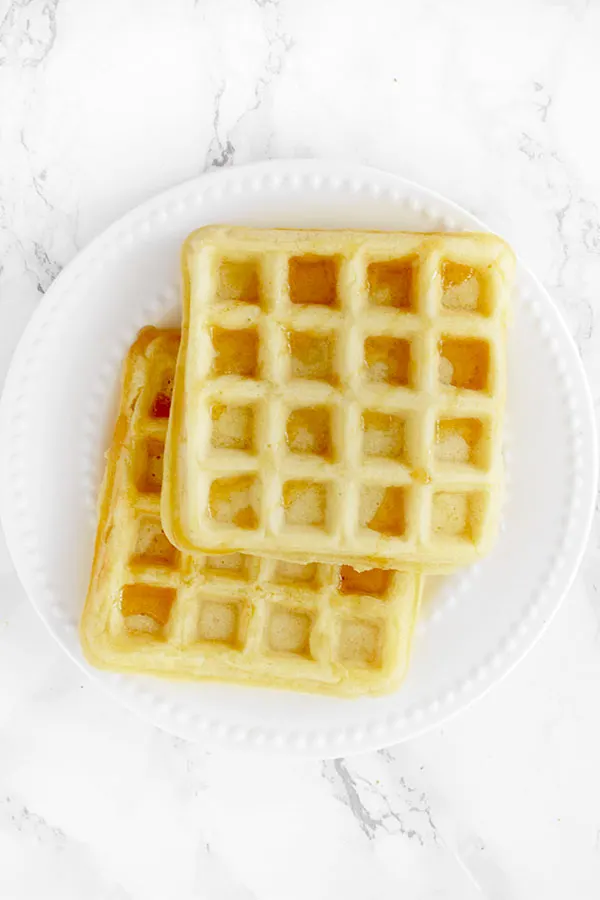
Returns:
(152, 609)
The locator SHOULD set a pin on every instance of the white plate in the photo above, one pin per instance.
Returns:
(57, 414)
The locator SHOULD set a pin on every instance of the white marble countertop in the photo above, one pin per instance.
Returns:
(101, 106)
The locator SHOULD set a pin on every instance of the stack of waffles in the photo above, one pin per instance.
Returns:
(324, 432)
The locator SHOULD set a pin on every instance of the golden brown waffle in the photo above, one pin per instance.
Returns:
(233, 617)
(339, 396)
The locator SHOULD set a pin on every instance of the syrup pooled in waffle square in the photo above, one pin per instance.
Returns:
(235, 617)
(339, 396)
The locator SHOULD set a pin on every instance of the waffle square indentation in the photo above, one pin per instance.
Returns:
(360, 643)
(289, 631)
(457, 514)
(160, 407)
(384, 435)
(308, 431)
(391, 284)
(150, 466)
(463, 289)
(382, 509)
(388, 360)
(305, 503)
(238, 281)
(313, 280)
(312, 356)
(152, 547)
(235, 501)
(222, 622)
(461, 441)
(304, 575)
(371, 582)
(235, 352)
(233, 566)
(464, 363)
(232, 427)
(146, 608)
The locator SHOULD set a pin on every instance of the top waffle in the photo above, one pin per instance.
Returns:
(339, 396)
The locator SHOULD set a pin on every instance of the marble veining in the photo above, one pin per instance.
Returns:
(103, 105)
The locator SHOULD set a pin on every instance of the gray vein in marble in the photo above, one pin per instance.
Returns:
(577, 219)
(52, 227)
(591, 229)
(560, 215)
(372, 807)
(29, 270)
(219, 154)
(78, 858)
(37, 263)
(390, 805)
(350, 795)
(49, 268)
(27, 822)
(544, 103)
(28, 32)
(221, 150)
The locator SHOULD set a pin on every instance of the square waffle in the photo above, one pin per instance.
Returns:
(339, 396)
(235, 617)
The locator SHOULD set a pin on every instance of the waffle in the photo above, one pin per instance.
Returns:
(235, 617)
(339, 396)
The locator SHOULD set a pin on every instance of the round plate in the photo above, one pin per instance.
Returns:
(57, 415)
